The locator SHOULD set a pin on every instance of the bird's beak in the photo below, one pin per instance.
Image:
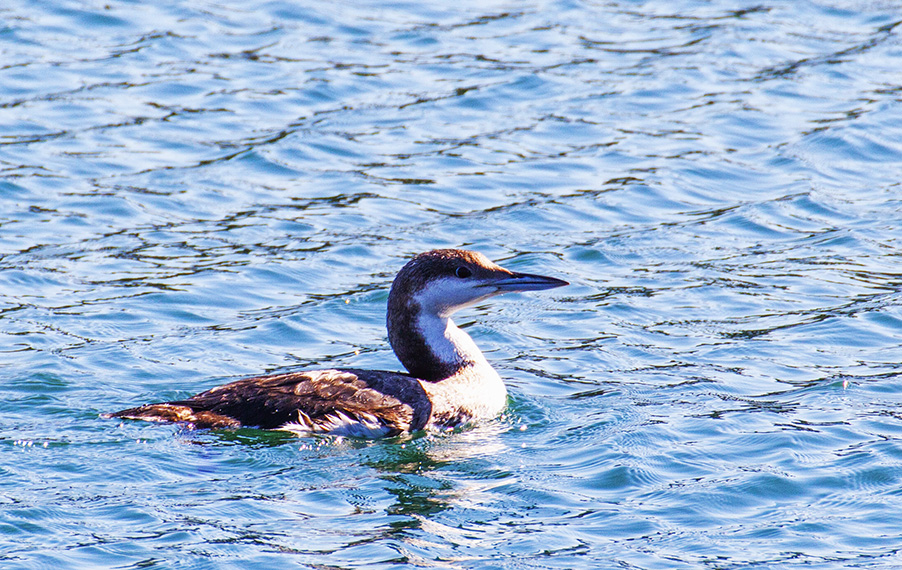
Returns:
(515, 282)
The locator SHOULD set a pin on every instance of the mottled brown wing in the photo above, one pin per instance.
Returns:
(394, 400)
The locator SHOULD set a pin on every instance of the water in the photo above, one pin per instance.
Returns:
(193, 192)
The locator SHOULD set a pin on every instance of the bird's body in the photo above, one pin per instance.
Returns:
(449, 381)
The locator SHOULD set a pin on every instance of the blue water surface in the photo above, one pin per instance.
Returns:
(195, 192)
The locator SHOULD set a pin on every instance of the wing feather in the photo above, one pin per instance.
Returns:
(322, 399)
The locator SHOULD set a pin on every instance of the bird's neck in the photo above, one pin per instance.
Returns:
(431, 346)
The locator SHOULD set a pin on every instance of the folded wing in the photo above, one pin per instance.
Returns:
(351, 402)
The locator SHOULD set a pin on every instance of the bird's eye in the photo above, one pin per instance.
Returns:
(463, 272)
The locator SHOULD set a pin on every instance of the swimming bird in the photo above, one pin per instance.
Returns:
(448, 382)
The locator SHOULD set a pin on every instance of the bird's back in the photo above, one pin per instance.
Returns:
(357, 402)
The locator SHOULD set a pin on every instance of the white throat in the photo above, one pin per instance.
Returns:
(475, 390)
(448, 343)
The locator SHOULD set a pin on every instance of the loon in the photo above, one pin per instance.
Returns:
(448, 381)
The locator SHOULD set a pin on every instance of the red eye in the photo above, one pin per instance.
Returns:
(463, 272)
